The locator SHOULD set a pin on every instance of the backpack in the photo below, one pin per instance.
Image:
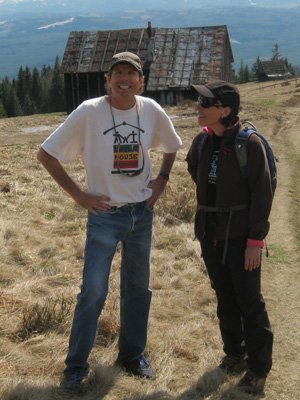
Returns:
(241, 143)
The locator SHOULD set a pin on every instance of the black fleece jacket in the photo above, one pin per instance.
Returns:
(233, 188)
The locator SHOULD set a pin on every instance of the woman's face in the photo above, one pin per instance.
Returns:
(210, 114)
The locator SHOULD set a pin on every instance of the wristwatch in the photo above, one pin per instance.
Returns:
(165, 175)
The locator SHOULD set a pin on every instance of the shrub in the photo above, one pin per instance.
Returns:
(41, 318)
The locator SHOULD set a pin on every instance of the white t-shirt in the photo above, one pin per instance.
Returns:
(111, 141)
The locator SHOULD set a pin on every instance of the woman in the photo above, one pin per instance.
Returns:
(231, 222)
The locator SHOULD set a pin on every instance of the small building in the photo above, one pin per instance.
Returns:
(173, 59)
(272, 70)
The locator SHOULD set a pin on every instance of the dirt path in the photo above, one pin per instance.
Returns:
(282, 279)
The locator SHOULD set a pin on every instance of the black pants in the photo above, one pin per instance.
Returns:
(244, 322)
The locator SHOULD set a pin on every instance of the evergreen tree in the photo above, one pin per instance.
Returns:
(27, 81)
(246, 74)
(276, 54)
(289, 66)
(46, 77)
(28, 106)
(234, 76)
(255, 67)
(20, 85)
(10, 99)
(241, 72)
(36, 90)
(57, 96)
(2, 109)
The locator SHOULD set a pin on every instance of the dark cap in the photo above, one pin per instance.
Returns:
(227, 93)
(128, 58)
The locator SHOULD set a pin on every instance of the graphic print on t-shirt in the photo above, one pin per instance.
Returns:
(126, 156)
(212, 176)
(212, 173)
(126, 147)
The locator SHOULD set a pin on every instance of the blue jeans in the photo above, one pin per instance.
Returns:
(131, 225)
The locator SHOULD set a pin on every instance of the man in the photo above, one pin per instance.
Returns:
(113, 134)
(231, 223)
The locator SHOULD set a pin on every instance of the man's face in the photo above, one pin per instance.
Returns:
(124, 80)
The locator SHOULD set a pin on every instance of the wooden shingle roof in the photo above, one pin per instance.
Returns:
(273, 69)
(173, 57)
(183, 56)
(91, 51)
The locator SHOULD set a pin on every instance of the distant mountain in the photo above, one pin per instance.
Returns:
(35, 39)
(100, 6)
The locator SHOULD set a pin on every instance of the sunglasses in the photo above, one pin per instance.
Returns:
(207, 102)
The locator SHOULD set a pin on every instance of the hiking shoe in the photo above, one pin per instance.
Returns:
(233, 365)
(138, 367)
(252, 384)
(72, 381)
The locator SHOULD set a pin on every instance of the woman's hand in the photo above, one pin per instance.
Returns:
(252, 258)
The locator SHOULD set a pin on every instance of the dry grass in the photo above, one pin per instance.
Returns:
(41, 240)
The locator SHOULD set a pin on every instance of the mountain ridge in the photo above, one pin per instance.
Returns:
(36, 40)
(115, 5)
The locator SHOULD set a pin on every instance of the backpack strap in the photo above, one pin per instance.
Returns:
(241, 151)
(241, 142)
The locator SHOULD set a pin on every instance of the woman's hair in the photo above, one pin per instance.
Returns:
(231, 118)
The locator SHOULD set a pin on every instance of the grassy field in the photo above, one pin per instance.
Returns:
(41, 245)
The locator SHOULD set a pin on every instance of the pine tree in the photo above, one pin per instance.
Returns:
(10, 99)
(20, 85)
(27, 81)
(46, 76)
(246, 74)
(36, 90)
(241, 72)
(57, 96)
(276, 54)
(28, 107)
(289, 66)
(255, 67)
(2, 109)
(33, 92)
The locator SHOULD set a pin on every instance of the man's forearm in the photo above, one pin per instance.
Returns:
(59, 174)
(167, 162)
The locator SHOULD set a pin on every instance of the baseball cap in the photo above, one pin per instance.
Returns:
(227, 93)
(127, 57)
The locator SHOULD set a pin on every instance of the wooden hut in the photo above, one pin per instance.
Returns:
(172, 58)
(272, 70)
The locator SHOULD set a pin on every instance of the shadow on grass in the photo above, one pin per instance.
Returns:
(102, 379)
(97, 385)
(207, 384)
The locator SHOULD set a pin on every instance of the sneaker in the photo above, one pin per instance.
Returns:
(138, 367)
(233, 365)
(252, 384)
(72, 381)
